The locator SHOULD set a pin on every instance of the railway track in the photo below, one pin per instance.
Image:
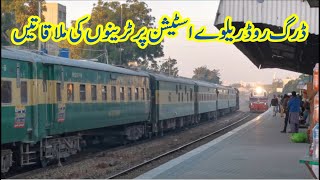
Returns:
(124, 172)
(239, 117)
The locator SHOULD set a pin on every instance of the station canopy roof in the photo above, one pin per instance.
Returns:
(297, 57)
(313, 3)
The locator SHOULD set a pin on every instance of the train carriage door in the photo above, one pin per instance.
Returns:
(47, 91)
(217, 97)
(237, 99)
(229, 97)
(59, 105)
(196, 99)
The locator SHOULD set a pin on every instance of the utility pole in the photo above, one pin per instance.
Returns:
(39, 14)
(169, 66)
(106, 53)
(121, 28)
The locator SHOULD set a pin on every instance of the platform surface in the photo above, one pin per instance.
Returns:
(254, 150)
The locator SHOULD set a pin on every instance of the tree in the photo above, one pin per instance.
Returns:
(205, 74)
(15, 14)
(293, 84)
(139, 13)
(236, 85)
(168, 67)
(76, 51)
(290, 86)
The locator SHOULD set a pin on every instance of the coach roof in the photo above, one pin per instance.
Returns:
(205, 84)
(29, 56)
(162, 77)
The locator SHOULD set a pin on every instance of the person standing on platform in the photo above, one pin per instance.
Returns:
(294, 110)
(281, 106)
(274, 104)
(286, 112)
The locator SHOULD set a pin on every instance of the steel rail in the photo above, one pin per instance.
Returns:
(174, 150)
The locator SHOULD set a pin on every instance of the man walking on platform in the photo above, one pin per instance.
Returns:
(286, 112)
(281, 106)
(294, 110)
(274, 104)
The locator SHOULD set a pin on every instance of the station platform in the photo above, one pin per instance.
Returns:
(254, 150)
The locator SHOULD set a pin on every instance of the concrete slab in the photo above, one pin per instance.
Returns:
(254, 150)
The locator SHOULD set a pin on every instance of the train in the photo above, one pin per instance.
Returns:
(258, 100)
(52, 106)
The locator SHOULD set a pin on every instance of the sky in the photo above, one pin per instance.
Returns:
(233, 65)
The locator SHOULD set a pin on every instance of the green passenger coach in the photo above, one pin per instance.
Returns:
(47, 101)
(207, 99)
(173, 102)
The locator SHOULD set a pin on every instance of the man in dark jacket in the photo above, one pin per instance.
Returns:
(274, 104)
(286, 111)
(294, 111)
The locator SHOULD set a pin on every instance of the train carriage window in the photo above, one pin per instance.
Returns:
(113, 93)
(6, 92)
(82, 92)
(24, 92)
(58, 89)
(93, 92)
(122, 93)
(104, 93)
(143, 94)
(178, 97)
(169, 97)
(70, 92)
(190, 94)
(130, 94)
(181, 97)
(136, 93)
(148, 94)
